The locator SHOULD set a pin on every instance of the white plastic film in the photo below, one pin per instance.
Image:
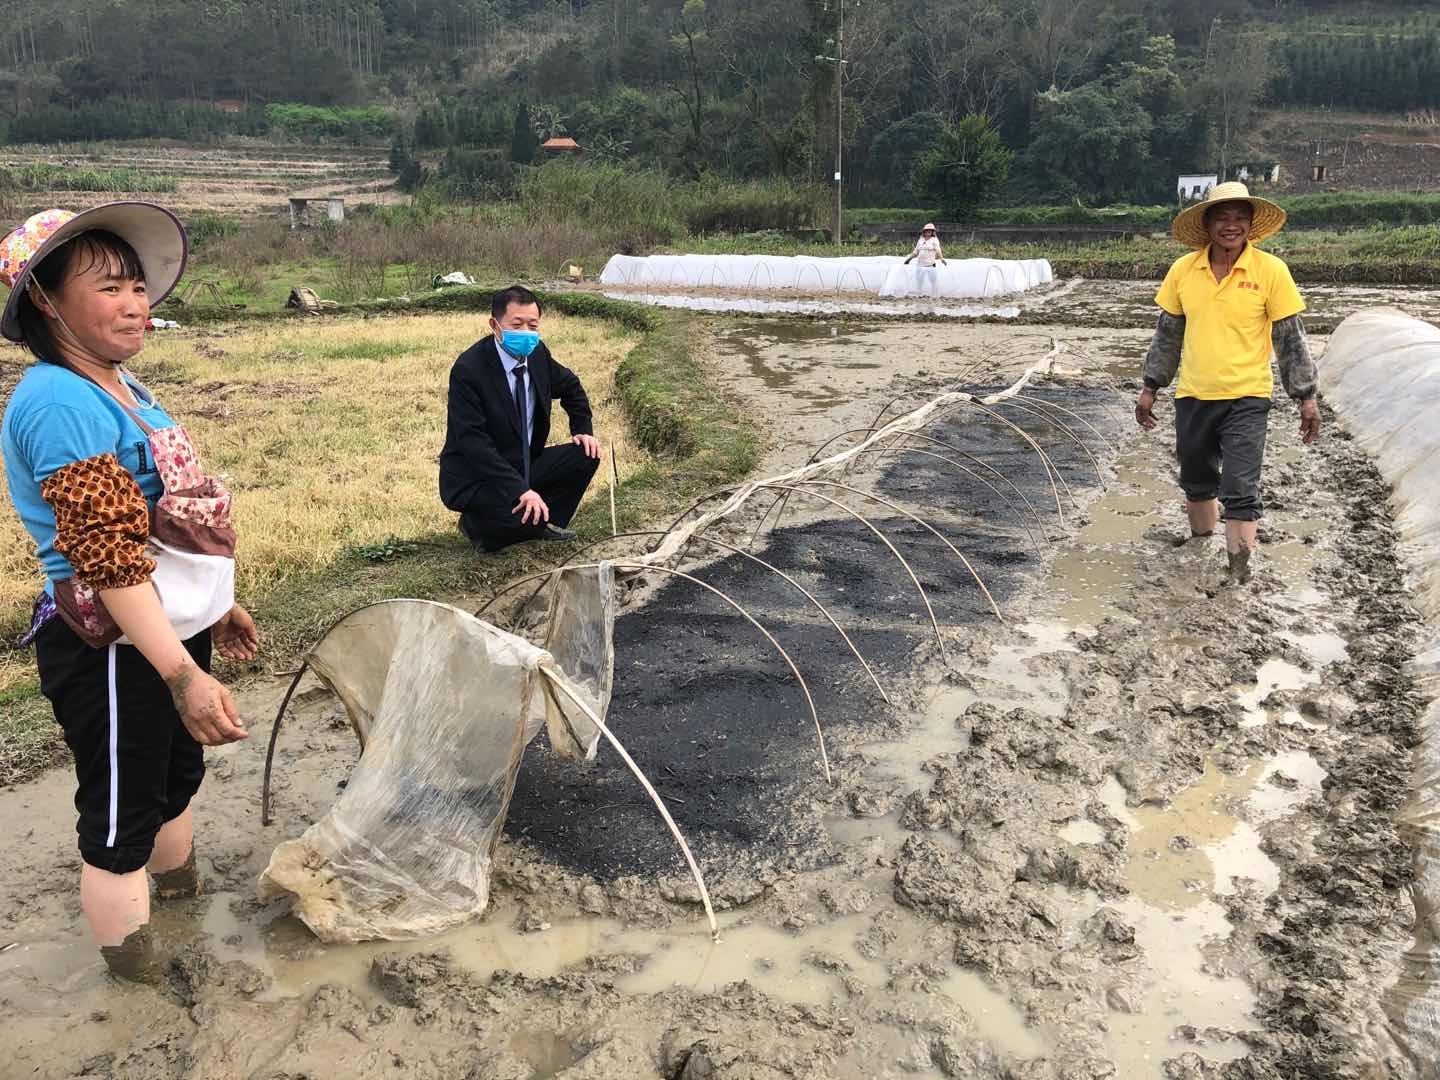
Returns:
(580, 636)
(879, 275)
(1381, 372)
(441, 701)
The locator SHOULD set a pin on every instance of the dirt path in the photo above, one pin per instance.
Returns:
(1144, 829)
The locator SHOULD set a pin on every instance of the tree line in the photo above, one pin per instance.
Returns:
(1101, 100)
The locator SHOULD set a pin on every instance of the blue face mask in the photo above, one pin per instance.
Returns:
(520, 343)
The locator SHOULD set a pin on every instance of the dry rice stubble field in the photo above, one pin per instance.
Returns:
(329, 435)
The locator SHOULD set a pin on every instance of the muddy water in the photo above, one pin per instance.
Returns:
(1073, 850)
(1185, 855)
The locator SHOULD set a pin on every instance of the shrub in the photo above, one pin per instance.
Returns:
(314, 121)
(475, 175)
(635, 208)
(752, 207)
(965, 166)
(206, 228)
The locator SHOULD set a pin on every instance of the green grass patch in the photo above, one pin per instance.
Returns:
(30, 739)
(43, 177)
(1328, 210)
(214, 292)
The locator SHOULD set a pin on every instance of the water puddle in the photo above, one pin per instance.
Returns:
(1013, 679)
(1181, 992)
(1322, 648)
(935, 731)
(1183, 856)
(286, 951)
(547, 1053)
(1081, 832)
(786, 966)
(1194, 847)
(1010, 679)
(815, 967)
(1273, 675)
(812, 968)
(861, 832)
(1288, 781)
(1093, 579)
(1305, 528)
(995, 1018)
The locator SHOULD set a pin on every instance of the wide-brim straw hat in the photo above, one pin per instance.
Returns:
(1189, 225)
(154, 232)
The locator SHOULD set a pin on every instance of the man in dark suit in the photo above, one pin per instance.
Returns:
(495, 469)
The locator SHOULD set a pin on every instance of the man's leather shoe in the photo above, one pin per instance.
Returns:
(554, 532)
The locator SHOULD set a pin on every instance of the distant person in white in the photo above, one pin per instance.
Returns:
(927, 251)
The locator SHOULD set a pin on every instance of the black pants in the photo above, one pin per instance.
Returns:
(1221, 446)
(136, 765)
(560, 475)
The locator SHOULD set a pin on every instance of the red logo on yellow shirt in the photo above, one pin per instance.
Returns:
(1247, 285)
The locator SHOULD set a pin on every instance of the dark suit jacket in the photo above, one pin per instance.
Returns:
(480, 464)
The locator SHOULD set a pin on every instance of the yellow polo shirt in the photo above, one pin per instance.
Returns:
(1227, 323)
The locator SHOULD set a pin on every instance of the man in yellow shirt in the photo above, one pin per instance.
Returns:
(1223, 309)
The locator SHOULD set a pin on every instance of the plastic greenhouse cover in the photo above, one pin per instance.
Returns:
(580, 636)
(444, 705)
(881, 275)
(680, 535)
(1381, 372)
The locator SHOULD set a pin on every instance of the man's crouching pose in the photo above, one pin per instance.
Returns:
(495, 469)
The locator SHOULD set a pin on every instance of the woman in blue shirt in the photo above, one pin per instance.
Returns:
(87, 454)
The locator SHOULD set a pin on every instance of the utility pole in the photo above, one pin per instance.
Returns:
(840, 129)
(839, 61)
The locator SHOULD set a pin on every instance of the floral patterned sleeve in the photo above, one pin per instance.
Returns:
(102, 522)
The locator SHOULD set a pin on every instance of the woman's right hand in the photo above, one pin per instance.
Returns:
(206, 708)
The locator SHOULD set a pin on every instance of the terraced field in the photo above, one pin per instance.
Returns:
(240, 178)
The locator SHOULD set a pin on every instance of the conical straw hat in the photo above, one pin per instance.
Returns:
(1189, 225)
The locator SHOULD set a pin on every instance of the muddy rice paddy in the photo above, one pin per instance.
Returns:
(1143, 827)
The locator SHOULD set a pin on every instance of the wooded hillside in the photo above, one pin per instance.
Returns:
(1101, 99)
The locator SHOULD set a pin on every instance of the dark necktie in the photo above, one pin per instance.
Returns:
(522, 407)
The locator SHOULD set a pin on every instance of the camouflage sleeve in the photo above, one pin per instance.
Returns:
(1297, 369)
(1163, 358)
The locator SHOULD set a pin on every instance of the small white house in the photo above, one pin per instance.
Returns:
(300, 209)
(1194, 187)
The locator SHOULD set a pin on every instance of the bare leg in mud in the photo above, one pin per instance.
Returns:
(1204, 517)
(1240, 540)
(172, 862)
(117, 907)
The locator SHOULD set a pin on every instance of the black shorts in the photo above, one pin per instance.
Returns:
(1221, 447)
(136, 765)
